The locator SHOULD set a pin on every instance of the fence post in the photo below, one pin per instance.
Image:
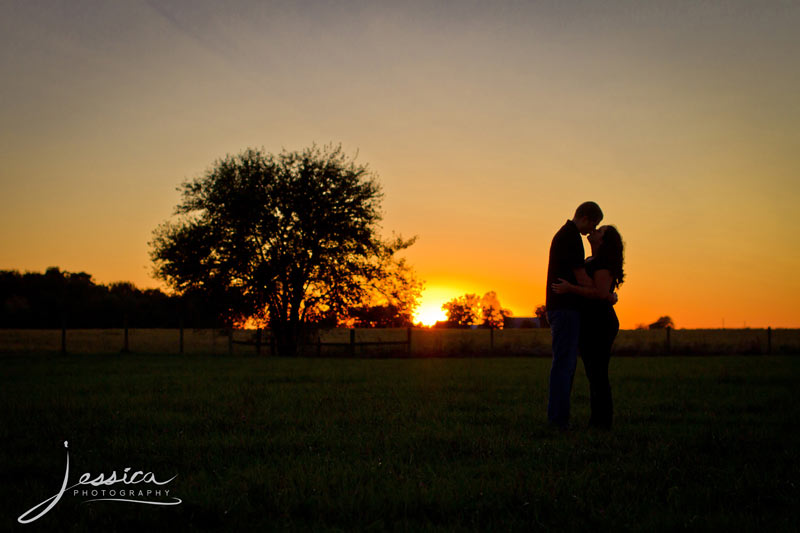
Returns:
(125, 325)
(271, 342)
(63, 335)
(230, 341)
(669, 343)
(408, 340)
(491, 338)
(769, 340)
(352, 341)
(258, 341)
(180, 326)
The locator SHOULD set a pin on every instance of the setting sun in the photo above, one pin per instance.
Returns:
(430, 309)
(429, 314)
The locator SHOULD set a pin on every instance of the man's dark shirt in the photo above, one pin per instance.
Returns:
(566, 254)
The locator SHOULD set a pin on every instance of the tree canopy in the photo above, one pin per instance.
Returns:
(541, 313)
(473, 310)
(285, 239)
(463, 310)
(663, 322)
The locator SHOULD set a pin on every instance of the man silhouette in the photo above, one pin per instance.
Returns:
(563, 310)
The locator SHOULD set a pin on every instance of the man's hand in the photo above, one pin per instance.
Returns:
(613, 298)
(562, 286)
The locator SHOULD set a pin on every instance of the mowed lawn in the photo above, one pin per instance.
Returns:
(417, 444)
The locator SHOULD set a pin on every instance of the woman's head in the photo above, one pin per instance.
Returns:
(607, 244)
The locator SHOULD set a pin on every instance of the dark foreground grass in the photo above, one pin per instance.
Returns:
(699, 443)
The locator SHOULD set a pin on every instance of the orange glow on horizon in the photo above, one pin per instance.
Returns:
(430, 309)
(429, 314)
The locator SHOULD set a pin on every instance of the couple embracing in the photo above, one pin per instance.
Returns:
(580, 308)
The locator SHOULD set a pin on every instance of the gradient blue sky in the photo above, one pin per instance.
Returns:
(487, 122)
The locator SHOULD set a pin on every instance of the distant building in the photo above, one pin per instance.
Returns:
(521, 322)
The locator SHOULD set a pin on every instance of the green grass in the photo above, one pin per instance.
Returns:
(699, 443)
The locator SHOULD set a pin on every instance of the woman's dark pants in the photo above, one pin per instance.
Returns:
(598, 331)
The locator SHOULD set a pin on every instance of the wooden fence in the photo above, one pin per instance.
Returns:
(392, 342)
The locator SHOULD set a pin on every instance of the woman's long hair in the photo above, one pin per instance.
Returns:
(612, 252)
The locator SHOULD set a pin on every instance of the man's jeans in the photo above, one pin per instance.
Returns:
(565, 327)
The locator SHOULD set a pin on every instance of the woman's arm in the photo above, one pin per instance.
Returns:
(601, 288)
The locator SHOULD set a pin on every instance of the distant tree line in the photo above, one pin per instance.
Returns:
(55, 298)
(59, 298)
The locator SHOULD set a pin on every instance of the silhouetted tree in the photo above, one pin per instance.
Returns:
(473, 310)
(463, 310)
(281, 238)
(663, 322)
(389, 301)
(492, 312)
(541, 314)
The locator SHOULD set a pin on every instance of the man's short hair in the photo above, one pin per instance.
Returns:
(589, 210)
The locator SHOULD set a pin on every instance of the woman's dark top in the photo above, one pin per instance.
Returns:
(598, 315)
(592, 265)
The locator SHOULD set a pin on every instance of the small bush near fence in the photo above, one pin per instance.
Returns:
(424, 342)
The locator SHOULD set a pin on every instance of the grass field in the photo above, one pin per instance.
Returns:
(416, 444)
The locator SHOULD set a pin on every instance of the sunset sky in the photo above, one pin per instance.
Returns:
(487, 123)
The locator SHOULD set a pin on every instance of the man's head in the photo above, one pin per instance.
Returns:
(587, 217)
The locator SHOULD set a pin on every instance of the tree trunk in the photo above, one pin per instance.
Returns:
(285, 338)
(285, 326)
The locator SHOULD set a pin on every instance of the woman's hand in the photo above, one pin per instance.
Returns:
(562, 286)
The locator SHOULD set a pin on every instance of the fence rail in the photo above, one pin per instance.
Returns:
(352, 345)
(391, 342)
